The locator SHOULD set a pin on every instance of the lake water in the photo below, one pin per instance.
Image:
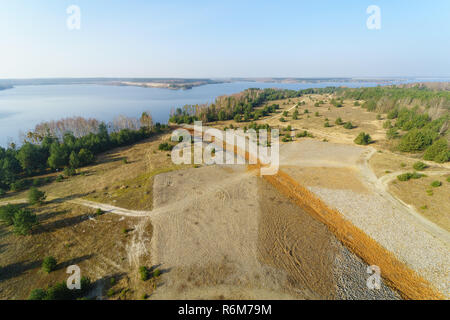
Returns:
(22, 107)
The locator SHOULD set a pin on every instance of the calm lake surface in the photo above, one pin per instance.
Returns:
(22, 107)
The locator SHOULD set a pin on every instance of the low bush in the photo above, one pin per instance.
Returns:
(348, 125)
(18, 185)
(69, 171)
(392, 133)
(438, 151)
(419, 166)
(36, 196)
(407, 176)
(165, 146)
(339, 121)
(7, 213)
(363, 139)
(59, 291)
(144, 273)
(23, 221)
(49, 264)
(156, 273)
(416, 140)
(436, 184)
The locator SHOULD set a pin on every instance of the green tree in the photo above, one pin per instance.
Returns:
(363, 139)
(85, 157)
(58, 156)
(438, 151)
(23, 221)
(74, 161)
(31, 158)
(49, 264)
(38, 294)
(415, 140)
(35, 196)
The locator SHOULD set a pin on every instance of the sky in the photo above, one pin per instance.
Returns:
(214, 39)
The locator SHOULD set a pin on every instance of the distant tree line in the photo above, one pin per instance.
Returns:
(418, 117)
(239, 107)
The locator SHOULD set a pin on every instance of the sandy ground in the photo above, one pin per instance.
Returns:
(238, 238)
(416, 241)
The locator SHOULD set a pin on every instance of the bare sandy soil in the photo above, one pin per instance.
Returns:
(238, 238)
(420, 244)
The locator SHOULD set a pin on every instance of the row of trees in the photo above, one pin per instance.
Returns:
(418, 117)
(56, 149)
(240, 107)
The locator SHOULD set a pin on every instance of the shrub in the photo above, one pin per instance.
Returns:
(302, 134)
(363, 139)
(2, 192)
(317, 114)
(85, 157)
(404, 177)
(7, 213)
(285, 113)
(18, 185)
(282, 119)
(165, 146)
(23, 221)
(356, 104)
(387, 124)
(392, 133)
(156, 273)
(348, 125)
(326, 124)
(392, 114)
(144, 272)
(69, 171)
(407, 176)
(415, 140)
(49, 264)
(419, 166)
(448, 179)
(378, 116)
(339, 121)
(38, 294)
(436, 184)
(438, 151)
(59, 292)
(306, 111)
(111, 292)
(36, 196)
(99, 212)
(59, 178)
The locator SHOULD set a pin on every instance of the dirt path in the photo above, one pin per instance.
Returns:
(381, 186)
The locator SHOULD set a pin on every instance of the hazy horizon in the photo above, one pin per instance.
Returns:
(235, 39)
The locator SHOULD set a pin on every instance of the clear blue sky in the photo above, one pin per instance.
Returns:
(137, 38)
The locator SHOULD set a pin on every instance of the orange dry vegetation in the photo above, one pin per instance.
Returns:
(397, 274)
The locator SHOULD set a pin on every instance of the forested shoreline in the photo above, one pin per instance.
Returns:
(418, 117)
(67, 145)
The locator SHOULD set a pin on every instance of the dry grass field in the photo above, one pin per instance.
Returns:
(222, 232)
